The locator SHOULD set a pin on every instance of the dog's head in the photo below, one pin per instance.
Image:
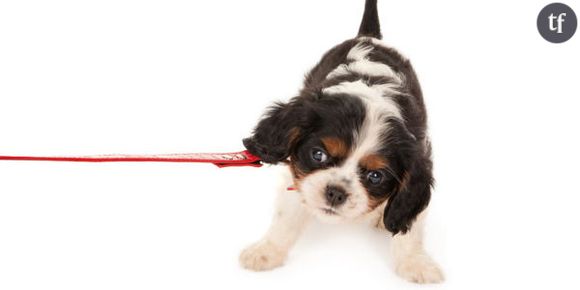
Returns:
(349, 151)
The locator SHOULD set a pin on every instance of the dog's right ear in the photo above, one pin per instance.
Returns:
(278, 132)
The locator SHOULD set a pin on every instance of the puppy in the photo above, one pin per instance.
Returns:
(355, 143)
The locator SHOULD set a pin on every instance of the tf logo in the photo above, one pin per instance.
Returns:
(557, 22)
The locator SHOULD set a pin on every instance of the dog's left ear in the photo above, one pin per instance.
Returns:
(277, 132)
(414, 190)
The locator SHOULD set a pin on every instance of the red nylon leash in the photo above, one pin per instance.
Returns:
(242, 158)
(233, 159)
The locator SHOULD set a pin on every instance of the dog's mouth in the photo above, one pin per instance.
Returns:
(329, 211)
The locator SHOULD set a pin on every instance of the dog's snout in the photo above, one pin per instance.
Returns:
(335, 196)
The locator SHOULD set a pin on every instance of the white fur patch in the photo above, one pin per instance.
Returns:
(374, 127)
(360, 64)
(377, 42)
(365, 67)
(359, 52)
(314, 186)
(376, 98)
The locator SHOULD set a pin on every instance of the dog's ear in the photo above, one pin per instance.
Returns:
(278, 131)
(414, 190)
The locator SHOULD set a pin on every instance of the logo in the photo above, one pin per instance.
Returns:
(557, 22)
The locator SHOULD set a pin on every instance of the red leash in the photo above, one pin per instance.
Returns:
(234, 159)
(243, 158)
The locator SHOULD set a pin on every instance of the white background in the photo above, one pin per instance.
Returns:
(86, 77)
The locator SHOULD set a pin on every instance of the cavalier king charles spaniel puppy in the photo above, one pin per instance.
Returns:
(355, 143)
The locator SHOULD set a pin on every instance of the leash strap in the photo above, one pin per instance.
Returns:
(234, 159)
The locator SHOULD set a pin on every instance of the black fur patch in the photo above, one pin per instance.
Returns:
(311, 117)
(337, 116)
(412, 165)
(369, 25)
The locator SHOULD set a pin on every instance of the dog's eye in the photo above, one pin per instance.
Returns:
(375, 177)
(319, 155)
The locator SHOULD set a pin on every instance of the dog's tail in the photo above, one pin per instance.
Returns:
(369, 25)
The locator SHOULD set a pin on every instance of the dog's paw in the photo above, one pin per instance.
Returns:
(262, 256)
(419, 268)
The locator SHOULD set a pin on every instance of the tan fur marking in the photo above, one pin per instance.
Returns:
(335, 147)
(405, 181)
(297, 174)
(293, 135)
(374, 201)
(373, 162)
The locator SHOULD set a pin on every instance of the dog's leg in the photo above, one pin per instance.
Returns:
(289, 220)
(410, 259)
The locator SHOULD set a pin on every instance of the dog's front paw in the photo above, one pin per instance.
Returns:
(419, 268)
(262, 256)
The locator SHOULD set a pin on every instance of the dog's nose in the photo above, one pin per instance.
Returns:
(335, 195)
